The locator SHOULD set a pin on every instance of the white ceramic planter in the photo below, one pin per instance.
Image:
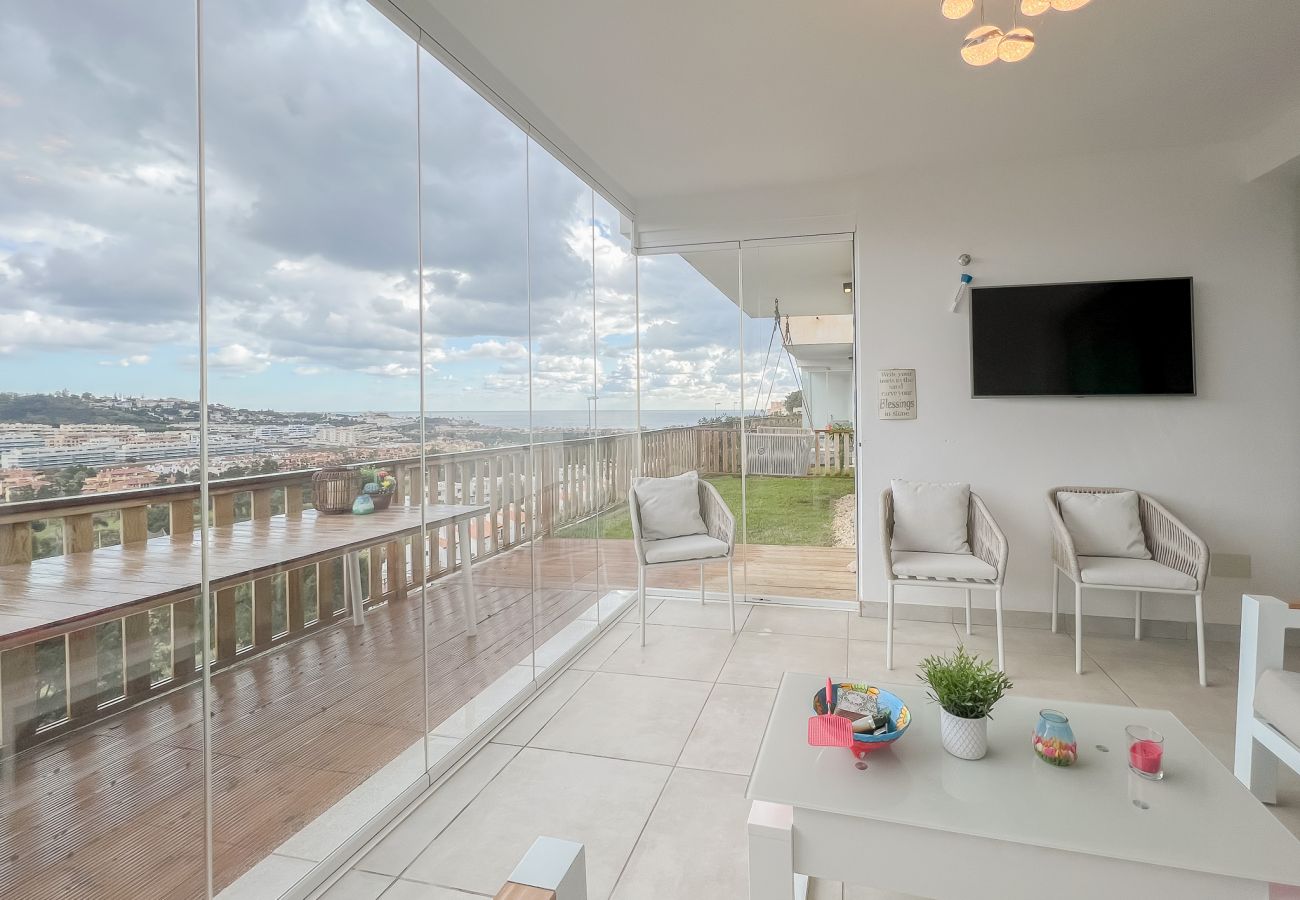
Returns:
(964, 738)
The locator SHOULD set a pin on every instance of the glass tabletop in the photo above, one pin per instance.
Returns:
(1199, 817)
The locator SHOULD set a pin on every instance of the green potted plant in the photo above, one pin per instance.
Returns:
(379, 485)
(965, 687)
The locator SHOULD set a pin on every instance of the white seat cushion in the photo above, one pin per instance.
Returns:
(669, 507)
(1277, 701)
(1138, 573)
(1104, 524)
(679, 549)
(930, 517)
(908, 564)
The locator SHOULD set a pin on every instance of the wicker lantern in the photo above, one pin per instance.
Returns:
(334, 488)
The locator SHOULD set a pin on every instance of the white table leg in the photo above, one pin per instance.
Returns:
(467, 579)
(771, 852)
(352, 563)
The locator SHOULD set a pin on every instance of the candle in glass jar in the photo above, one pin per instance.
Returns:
(1144, 756)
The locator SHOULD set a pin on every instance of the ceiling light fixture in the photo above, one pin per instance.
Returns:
(981, 46)
(988, 43)
(957, 9)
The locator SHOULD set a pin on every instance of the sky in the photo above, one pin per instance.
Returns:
(330, 181)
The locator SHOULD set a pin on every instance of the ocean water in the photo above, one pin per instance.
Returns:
(573, 418)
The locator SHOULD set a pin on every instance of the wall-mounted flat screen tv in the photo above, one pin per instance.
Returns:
(1105, 338)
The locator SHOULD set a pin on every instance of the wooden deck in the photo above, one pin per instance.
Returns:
(115, 809)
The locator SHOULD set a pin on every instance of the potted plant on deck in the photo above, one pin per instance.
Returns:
(965, 687)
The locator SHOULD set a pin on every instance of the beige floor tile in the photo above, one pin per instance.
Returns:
(907, 631)
(671, 652)
(695, 844)
(797, 620)
(415, 890)
(604, 646)
(601, 803)
(867, 660)
(729, 729)
(693, 614)
(1160, 651)
(1016, 642)
(760, 659)
(396, 850)
(1175, 688)
(632, 717)
(524, 726)
(358, 885)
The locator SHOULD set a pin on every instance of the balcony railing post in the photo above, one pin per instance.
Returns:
(185, 633)
(15, 543)
(17, 696)
(78, 533)
(83, 673)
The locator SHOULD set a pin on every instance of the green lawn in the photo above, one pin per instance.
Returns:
(782, 511)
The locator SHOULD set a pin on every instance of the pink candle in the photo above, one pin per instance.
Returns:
(1145, 756)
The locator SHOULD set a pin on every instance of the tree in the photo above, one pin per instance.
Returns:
(793, 401)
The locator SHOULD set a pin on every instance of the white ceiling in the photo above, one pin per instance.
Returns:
(808, 278)
(683, 96)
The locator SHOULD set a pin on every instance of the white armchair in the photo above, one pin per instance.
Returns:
(1175, 561)
(983, 567)
(1268, 696)
(713, 540)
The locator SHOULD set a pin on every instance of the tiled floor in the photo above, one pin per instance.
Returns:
(643, 754)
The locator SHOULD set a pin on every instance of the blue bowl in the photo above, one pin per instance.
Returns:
(899, 716)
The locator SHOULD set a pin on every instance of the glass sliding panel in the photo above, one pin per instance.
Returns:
(691, 398)
(313, 371)
(616, 423)
(561, 321)
(475, 195)
(799, 486)
(103, 788)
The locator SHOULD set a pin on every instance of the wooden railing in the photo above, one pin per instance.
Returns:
(530, 491)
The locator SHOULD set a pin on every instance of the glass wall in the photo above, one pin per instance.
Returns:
(420, 368)
(799, 487)
(691, 393)
(99, 391)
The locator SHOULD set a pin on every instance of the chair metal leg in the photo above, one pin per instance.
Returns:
(997, 611)
(968, 610)
(1078, 628)
(640, 597)
(701, 584)
(731, 594)
(1200, 638)
(1137, 617)
(889, 628)
(1056, 596)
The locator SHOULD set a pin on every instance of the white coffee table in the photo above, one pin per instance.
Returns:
(920, 821)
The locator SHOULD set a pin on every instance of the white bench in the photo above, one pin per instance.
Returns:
(1268, 697)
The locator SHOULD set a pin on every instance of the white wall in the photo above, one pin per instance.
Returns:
(1226, 461)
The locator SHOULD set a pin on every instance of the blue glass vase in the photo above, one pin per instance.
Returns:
(363, 505)
(1054, 741)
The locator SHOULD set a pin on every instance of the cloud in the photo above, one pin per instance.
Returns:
(139, 359)
(313, 267)
(238, 359)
